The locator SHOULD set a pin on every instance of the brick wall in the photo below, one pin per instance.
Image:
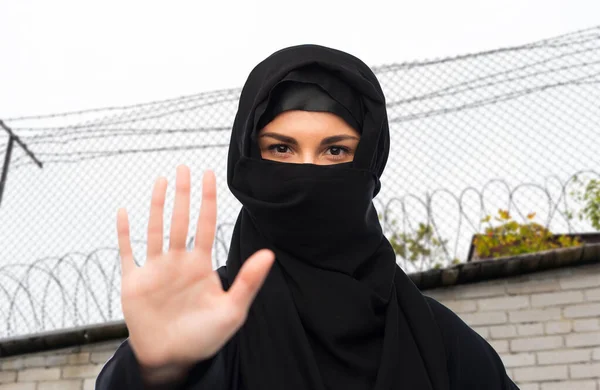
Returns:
(66, 369)
(546, 327)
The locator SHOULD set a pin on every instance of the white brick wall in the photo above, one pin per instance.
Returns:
(545, 326)
(66, 369)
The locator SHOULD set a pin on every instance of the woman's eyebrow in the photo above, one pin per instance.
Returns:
(279, 137)
(337, 138)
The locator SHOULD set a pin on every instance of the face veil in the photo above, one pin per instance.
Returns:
(335, 311)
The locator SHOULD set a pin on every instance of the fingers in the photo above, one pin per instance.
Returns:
(155, 223)
(127, 262)
(181, 209)
(251, 278)
(207, 220)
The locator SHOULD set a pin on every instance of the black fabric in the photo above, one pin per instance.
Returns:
(471, 363)
(335, 311)
(292, 95)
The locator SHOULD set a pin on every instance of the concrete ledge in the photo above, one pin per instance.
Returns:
(478, 271)
(63, 338)
(465, 273)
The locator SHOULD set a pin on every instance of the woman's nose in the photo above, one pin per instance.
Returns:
(309, 158)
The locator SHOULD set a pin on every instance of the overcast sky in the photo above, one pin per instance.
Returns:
(65, 55)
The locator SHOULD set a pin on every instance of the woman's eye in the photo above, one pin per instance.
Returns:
(279, 148)
(337, 150)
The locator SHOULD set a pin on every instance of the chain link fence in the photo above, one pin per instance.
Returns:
(503, 129)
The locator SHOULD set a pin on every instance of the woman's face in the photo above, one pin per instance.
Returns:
(306, 137)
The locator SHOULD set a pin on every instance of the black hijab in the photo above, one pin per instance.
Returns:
(335, 312)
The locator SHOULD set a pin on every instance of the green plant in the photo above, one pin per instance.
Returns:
(420, 244)
(513, 238)
(589, 195)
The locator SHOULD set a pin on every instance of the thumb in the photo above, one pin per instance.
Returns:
(251, 278)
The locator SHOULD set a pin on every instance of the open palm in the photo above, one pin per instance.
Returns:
(174, 306)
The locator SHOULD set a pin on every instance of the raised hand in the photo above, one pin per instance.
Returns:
(174, 306)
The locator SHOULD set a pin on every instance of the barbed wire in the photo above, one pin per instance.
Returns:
(90, 128)
(93, 155)
(89, 134)
(92, 294)
(583, 36)
(205, 95)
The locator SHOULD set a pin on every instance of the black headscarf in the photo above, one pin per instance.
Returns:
(335, 311)
(290, 94)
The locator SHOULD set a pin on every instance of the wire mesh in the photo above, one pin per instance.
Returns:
(471, 134)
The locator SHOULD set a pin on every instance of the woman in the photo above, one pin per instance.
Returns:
(333, 311)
